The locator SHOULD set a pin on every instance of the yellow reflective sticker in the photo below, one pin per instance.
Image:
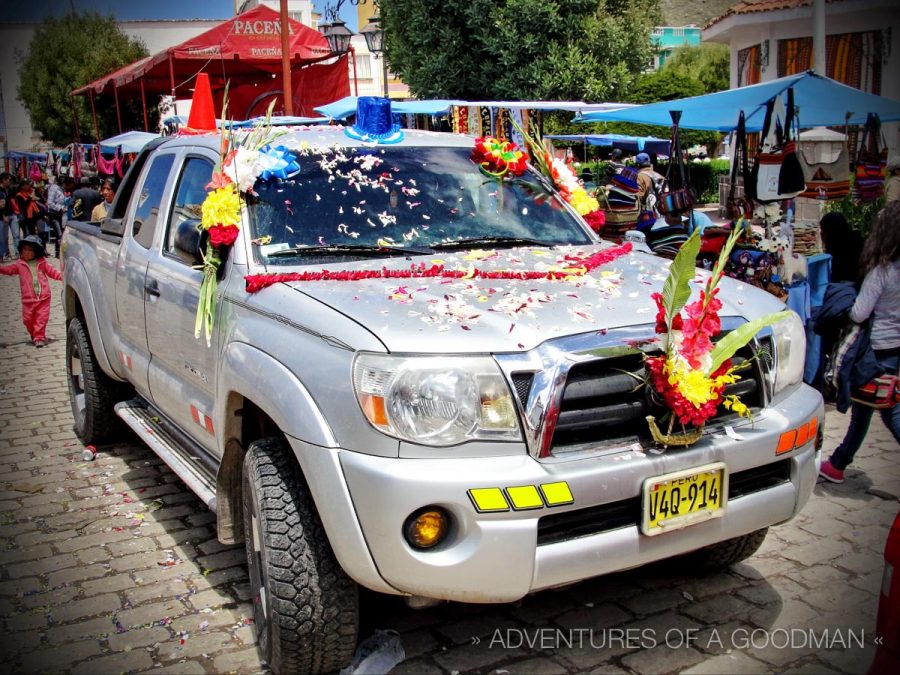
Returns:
(557, 494)
(488, 499)
(524, 497)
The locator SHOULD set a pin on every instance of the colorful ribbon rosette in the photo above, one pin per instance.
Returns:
(496, 158)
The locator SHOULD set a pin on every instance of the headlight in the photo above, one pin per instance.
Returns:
(790, 351)
(435, 401)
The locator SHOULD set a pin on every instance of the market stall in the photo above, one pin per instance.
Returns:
(783, 252)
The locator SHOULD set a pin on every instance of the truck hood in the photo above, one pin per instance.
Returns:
(478, 315)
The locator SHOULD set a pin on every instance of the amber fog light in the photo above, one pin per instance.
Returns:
(427, 527)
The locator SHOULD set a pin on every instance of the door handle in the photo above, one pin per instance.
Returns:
(151, 288)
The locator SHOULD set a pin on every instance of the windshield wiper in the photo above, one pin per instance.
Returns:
(350, 249)
(488, 241)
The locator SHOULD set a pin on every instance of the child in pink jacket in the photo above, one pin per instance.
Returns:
(33, 270)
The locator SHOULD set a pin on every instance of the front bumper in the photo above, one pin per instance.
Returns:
(497, 557)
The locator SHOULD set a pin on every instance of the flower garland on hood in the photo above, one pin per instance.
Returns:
(691, 376)
(242, 163)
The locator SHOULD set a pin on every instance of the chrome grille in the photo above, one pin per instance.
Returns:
(585, 391)
(606, 401)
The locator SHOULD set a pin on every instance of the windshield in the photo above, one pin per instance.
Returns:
(410, 198)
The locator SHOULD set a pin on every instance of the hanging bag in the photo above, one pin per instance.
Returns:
(739, 207)
(777, 173)
(678, 195)
(871, 163)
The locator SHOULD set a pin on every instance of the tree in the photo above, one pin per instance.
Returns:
(67, 53)
(707, 62)
(519, 49)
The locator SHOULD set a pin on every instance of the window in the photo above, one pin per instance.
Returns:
(145, 216)
(363, 67)
(182, 238)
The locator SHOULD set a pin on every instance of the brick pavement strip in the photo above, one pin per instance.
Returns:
(82, 588)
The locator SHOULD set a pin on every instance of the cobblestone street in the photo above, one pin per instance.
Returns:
(113, 566)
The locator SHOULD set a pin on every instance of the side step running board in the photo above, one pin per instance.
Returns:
(187, 462)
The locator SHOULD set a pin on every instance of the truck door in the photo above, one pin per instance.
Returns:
(182, 367)
(131, 268)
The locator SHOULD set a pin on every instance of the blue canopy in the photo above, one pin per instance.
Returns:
(347, 106)
(632, 144)
(130, 141)
(279, 120)
(821, 102)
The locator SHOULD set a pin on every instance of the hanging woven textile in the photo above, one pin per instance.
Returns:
(871, 162)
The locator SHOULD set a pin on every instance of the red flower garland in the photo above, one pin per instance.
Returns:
(257, 282)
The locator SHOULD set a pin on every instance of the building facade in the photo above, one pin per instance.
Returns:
(669, 38)
(769, 39)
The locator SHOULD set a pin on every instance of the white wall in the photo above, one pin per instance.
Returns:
(16, 37)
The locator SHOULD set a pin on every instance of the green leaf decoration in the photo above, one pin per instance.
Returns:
(676, 290)
(728, 345)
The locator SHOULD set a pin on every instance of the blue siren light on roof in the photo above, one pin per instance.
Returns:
(374, 122)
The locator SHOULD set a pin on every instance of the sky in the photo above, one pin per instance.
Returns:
(130, 10)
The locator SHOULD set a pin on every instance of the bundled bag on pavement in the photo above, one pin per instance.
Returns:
(871, 162)
(678, 196)
(777, 173)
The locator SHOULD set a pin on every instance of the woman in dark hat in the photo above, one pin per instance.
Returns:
(34, 274)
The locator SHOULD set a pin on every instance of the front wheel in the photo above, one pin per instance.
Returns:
(726, 553)
(306, 609)
(91, 392)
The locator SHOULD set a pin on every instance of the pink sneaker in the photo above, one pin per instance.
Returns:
(830, 473)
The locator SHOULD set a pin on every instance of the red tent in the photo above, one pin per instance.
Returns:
(245, 51)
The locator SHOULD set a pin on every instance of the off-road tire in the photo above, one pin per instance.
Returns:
(95, 420)
(306, 609)
(726, 553)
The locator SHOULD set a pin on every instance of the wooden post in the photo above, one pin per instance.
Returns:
(94, 115)
(75, 118)
(118, 109)
(355, 74)
(144, 105)
(286, 60)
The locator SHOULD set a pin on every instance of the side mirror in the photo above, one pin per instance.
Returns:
(113, 226)
(189, 243)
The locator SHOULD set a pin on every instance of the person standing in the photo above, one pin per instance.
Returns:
(56, 207)
(26, 208)
(85, 198)
(892, 184)
(650, 182)
(34, 273)
(8, 223)
(102, 209)
(879, 301)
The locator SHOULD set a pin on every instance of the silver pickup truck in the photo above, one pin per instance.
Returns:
(473, 438)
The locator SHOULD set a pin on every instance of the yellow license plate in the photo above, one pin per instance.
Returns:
(683, 498)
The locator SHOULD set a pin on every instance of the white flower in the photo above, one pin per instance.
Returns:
(244, 168)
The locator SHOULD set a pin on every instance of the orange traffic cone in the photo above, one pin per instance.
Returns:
(203, 117)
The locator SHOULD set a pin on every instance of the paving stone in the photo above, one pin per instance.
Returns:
(133, 639)
(115, 663)
(466, 658)
(92, 629)
(538, 666)
(195, 645)
(170, 589)
(152, 613)
(734, 664)
(107, 584)
(181, 668)
(242, 661)
(662, 659)
(100, 604)
(55, 659)
(210, 599)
